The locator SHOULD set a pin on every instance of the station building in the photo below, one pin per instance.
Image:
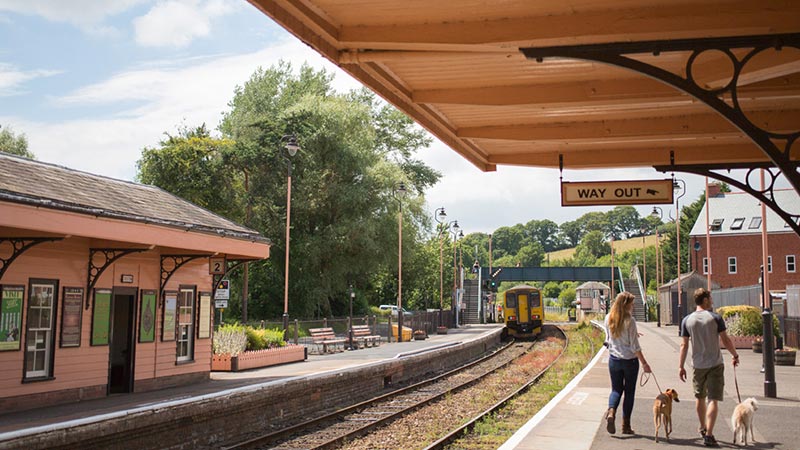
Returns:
(106, 286)
(735, 240)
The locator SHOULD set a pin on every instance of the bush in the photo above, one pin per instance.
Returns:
(229, 340)
(745, 320)
(260, 338)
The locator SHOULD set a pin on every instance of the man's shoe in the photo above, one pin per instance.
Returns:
(702, 431)
(710, 441)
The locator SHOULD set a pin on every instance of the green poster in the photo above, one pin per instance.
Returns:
(11, 317)
(147, 317)
(101, 316)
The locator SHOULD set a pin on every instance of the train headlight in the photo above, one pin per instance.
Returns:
(535, 316)
(513, 318)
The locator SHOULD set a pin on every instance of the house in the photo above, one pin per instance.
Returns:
(735, 240)
(106, 286)
(591, 296)
(668, 311)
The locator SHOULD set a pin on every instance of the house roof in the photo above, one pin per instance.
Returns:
(740, 213)
(45, 185)
(687, 278)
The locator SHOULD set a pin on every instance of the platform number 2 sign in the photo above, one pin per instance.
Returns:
(216, 265)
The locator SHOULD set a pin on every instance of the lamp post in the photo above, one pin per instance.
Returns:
(644, 272)
(658, 212)
(441, 219)
(457, 234)
(399, 193)
(678, 184)
(350, 331)
(291, 149)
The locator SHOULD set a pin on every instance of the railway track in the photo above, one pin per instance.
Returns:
(347, 424)
(467, 427)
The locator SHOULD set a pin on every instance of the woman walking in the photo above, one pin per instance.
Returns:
(625, 354)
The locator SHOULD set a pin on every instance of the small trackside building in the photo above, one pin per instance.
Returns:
(106, 286)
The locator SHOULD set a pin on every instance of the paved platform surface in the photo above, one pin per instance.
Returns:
(94, 410)
(573, 420)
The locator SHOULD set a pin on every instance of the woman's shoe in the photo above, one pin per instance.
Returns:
(626, 426)
(610, 426)
(710, 441)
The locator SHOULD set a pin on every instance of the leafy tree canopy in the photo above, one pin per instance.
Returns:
(15, 144)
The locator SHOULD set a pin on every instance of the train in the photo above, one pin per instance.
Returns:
(523, 311)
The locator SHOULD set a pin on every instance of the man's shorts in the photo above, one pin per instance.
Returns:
(709, 382)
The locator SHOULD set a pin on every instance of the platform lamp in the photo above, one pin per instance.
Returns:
(441, 219)
(400, 193)
(457, 234)
(350, 331)
(291, 147)
(679, 185)
(658, 213)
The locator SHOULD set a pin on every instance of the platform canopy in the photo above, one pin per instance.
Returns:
(691, 86)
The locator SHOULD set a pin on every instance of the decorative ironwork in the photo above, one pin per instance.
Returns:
(777, 146)
(232, 265)
(19, 246)
(109, 256)
(177, 262)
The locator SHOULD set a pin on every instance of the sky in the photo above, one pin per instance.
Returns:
(90, 83)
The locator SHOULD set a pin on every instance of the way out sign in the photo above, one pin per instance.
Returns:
(640, 192)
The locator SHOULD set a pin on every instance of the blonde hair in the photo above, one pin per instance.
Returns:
(618, 316)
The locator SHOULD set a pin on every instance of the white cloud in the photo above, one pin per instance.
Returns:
(12, 79)
(84, 14)
(160, 97)
(177, 23)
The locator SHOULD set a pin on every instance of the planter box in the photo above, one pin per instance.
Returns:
(258, 358)
(740, 341)
(441, 330)
(785, 357)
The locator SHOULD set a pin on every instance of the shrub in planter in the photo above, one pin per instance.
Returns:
(745, 320)
(229, 340)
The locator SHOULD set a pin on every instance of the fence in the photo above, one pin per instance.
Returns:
(747, 295)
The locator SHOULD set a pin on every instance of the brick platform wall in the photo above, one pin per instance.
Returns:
(211, 422)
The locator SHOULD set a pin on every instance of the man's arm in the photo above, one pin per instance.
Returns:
(726, 341)
(684, 352)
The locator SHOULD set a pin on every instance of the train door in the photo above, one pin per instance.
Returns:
(524, 313)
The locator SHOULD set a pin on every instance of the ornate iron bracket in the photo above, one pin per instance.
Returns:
(777, 146)
(109, 256)
(232, 265)
(176, 262)
(766, 195)
(18, 247)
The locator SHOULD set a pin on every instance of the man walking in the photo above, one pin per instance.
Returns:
(705, 328)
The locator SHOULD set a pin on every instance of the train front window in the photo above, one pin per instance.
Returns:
(536, 301)
(511, 301)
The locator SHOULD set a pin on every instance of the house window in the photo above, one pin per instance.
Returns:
(731, 264)
(40, 329)
(737, 223)
(716, 225)
(186, 324)
(755, 222)
(791, 264)
(769, 264)
(706, 266)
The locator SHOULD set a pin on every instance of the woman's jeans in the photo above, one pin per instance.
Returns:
(623, 380)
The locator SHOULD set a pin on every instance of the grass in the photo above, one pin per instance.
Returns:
(619, 246)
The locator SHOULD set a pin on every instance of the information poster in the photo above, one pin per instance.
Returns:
(71, 317)
(147, 317)
(101, 316)
(10, 317)
(204, 319)
(170, 309)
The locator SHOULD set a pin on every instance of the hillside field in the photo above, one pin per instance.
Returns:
(619, 246)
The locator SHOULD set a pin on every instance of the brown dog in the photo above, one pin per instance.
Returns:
(662, 411)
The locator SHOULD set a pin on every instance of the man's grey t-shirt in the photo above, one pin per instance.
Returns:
(703, 328)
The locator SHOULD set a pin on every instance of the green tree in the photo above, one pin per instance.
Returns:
(15, 144)
(530, 255)
(572, 232)
(567, 296)
(624, 221)
(545, 232)
(592, 246)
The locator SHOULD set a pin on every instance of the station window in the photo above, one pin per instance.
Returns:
(40, 329)
(706, 266)
(731, 264)
(755, 222)
(186, 324)
(769, 264)
(791, 264)
(716, 225)
(737, 223)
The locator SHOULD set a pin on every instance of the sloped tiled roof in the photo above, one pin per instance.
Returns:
(729, 206)
(50, 186)
(593, 285)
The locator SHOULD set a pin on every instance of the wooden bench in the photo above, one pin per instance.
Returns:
(362, 334)
(324, 337)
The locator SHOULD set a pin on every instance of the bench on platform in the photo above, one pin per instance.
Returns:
(325, 338)
(362, 334)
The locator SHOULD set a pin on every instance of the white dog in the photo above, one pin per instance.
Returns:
(742, 420)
